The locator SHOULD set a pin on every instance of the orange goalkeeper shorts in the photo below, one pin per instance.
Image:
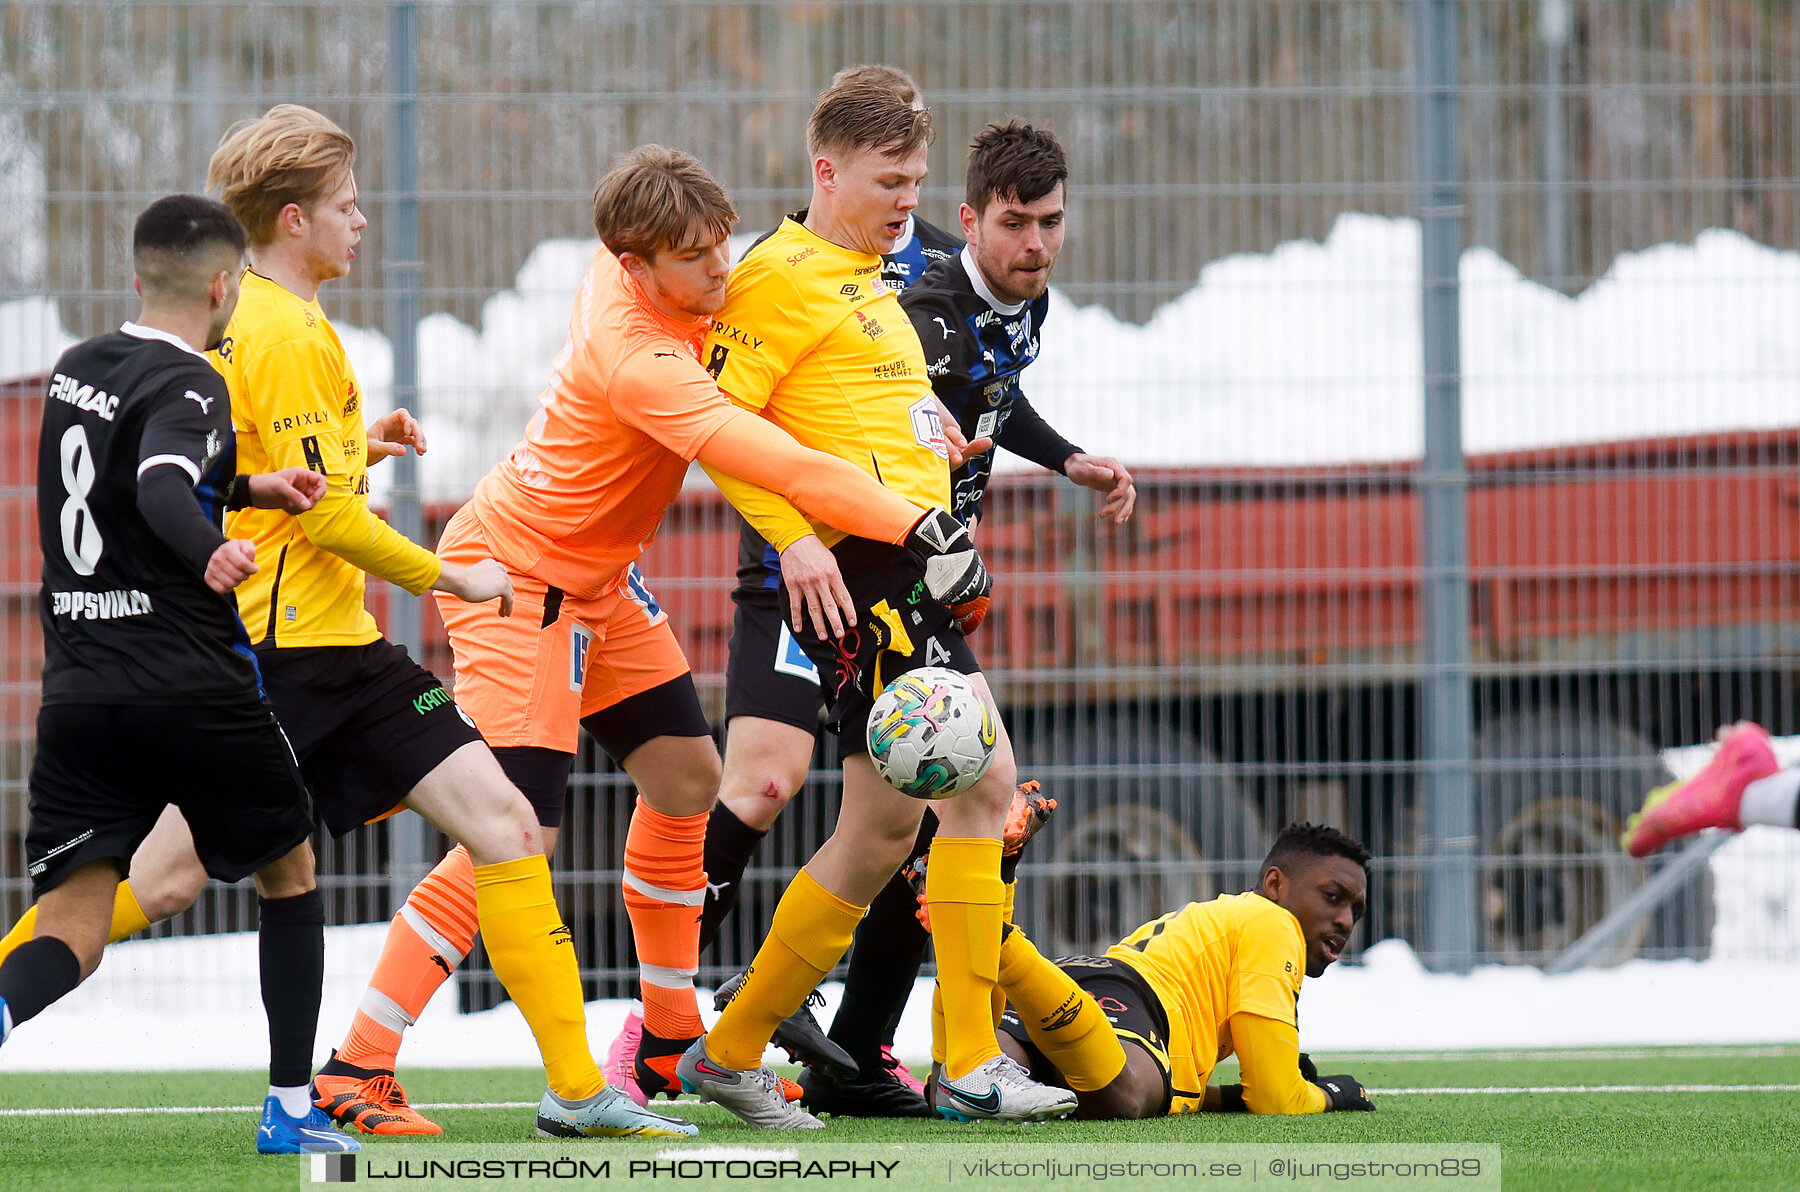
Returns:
(530, 678)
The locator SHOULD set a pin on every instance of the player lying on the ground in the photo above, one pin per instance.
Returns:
(1742, 784)
(1136, 1033)
(151, 695)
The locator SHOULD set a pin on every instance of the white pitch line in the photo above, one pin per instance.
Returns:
(1593, 1088)
(1479, 1090)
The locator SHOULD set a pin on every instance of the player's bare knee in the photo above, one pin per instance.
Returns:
(508, 832)
(758, 800)
(169, 891)
(677, 776)
(289, 876)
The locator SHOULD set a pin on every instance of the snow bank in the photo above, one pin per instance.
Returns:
(1307, 354)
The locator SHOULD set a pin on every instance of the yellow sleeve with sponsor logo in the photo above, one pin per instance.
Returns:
(811, 337)
(296, 403)
(1268, 962)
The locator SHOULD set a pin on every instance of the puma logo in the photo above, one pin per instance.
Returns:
(948, 330)
(205, 403)
(441, 963)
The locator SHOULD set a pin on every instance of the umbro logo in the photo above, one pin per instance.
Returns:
(664, 356)
(1064, 1014)
(560, 934)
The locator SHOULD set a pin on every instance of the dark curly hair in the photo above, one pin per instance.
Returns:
(1314, 840)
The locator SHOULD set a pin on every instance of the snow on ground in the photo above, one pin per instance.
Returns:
(1307, 354)
(192, 1003)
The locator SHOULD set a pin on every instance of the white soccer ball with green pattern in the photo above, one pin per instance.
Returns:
(932, 734)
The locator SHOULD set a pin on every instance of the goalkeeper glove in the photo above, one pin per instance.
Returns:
(1343, 1092)
(954, 573)
(1309, 1071)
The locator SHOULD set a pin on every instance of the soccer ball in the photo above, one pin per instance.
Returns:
(932, 734)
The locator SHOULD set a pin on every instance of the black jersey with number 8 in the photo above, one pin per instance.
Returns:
(126, 620)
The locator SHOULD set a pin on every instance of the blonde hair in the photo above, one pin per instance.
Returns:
(289, 154)
(881, 76)
(869, 108)
(657, 198)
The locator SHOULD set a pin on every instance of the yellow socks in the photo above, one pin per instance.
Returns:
(965, 895)
(810, 933)
(1006, 918)
(534, 957)
(1063, 1019)
(128, 919)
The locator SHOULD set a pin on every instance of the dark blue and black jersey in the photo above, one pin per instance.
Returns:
(976, 347)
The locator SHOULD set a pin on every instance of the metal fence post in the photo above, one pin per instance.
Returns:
(1447, 694)
(1554, 20)
(410, 835)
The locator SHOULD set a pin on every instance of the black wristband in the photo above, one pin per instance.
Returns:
(238, 495)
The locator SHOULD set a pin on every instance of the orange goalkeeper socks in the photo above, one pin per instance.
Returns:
(427, 939)
(665, 888)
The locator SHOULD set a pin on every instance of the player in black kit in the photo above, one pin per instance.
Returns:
(151, 695)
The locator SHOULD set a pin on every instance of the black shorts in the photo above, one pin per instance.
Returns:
(902, 628)
(769, 674)
(669, 709)
(104, 772)
(1128, 1002)
(367, 723)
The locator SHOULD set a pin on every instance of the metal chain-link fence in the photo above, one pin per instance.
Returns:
(1238, 316)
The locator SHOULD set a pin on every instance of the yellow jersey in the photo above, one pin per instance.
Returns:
(1238, 954)
(295, 403)
(813, 339)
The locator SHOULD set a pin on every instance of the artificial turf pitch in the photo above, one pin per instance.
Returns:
(1564, 1133)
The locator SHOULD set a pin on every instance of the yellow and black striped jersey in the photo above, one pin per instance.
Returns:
(295, 402)
(812, 338)
(1238, 954)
